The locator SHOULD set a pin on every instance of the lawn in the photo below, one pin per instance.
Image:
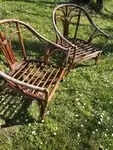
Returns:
(80, 116)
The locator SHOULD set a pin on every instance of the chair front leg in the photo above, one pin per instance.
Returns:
(97, 58)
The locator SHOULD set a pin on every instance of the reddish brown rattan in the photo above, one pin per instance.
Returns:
(37, 78)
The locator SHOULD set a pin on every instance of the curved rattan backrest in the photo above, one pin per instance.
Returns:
(72, 21)
(20, 42)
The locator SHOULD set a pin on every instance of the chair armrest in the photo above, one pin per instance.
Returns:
(100, 33)
(33, 31)
(103, 33)
(11, 79)
(41, 37)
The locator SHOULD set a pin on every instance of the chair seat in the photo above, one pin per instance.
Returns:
(38, 74)
(84, 50)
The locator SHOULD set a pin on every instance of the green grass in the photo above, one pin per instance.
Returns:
(80, 116)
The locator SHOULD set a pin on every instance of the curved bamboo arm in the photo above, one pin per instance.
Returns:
(102, 32)
(93, 35)
(33, 31)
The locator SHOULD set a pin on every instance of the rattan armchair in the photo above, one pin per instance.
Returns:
(29, 63)
(76, 30)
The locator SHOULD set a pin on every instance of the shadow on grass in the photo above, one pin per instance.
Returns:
(106, 47)
(39, 1)
(107, 15)
(14, 109)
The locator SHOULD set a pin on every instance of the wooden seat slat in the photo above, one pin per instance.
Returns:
(54, 77)
(15, 72)
(19, 76)
(29, 74)
(48, 78)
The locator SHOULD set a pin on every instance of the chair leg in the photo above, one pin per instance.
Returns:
(71, 67)
(97, 58)
(43, 109)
